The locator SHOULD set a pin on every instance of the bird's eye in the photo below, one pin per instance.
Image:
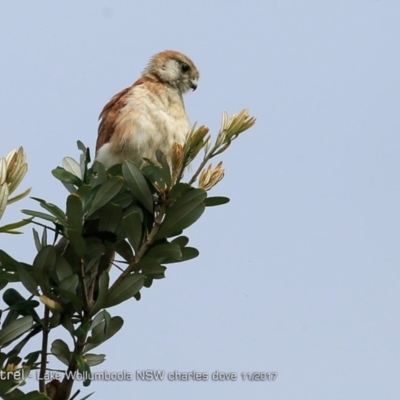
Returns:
(184, 67)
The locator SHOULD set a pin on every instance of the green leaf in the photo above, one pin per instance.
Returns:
(11, 317)
(137, 296)
(9, 228)
(95, 252)
(69, 187)
(165, 253)
(99, 174)
(100, 336)
(53, 209)
(6, 386)
(83, 368)
(82, 148)
(132, 227)
(26, 307)
(165, 168)
(43, 264)
(60, 349)
(158, 176)
(191, 196)
(66, 322)
(124, 250)
(146, 264)
(7, 262)
(84, 160)
(73, 299)
(15, 329)
(181, 241)
(32, 357)
(115, 170)
(70, 165)
(36, 239)
(84, 193)
(66, 177)
(45, 259)
(148, 282)
(18, 303)
(183, 213)
(77, 242)
(69, 284)
(216, 201)
(94, 359)
(189, 253)
(75, 222)
(124, 290)
(75, 212)
(110, 218)
(137, 184)
(178, 190)
(151, 268)
(11, 297)
(63, 269)
(106, 192)
(82, 329)
(19, 196)
(8, 275)
(102, 293)
(100, 318)
(3, 284)
(107, 319)
(123, 199)
(39, 214)
(44, 237)
(27, 279)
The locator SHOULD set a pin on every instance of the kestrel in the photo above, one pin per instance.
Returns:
(149, 115)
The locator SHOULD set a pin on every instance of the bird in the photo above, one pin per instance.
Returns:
(149, 115)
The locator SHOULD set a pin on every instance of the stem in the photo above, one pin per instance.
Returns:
(206, 159)
(43, 226)
(93, 280)
(83, 284)
(45, 342)
(148, 242)
(65, 388)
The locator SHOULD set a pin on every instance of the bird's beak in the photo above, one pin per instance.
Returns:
(193, 84)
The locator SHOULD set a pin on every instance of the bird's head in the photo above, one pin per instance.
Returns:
(175, 69)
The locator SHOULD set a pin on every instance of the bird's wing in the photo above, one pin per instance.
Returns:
(108, 117)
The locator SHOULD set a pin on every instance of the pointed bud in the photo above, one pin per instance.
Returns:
(195, 141)
(232, 127)
(13, 168)
(210, 177)
(176, 161)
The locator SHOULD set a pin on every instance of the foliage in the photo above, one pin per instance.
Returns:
(13, 168)
(123, 218)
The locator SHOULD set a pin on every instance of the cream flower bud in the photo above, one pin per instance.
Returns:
(210, 177)
(13, 168)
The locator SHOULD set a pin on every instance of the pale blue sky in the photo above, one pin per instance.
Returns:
(299, 273)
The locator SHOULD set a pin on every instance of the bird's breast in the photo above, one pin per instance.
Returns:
(151, 120)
